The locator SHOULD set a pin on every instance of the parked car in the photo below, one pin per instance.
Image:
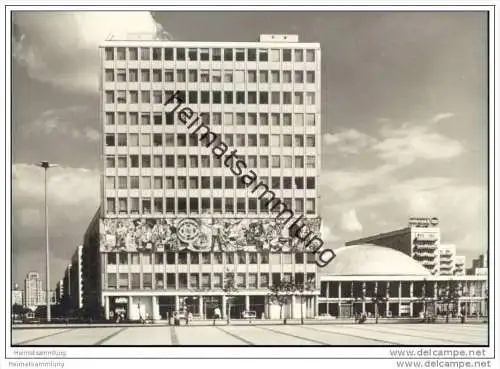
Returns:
(249, 314)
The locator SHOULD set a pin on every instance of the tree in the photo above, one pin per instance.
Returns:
(18, 309)
(229, 290)
(450, 295)
(280, 294)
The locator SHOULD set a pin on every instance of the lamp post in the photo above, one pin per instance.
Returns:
(46, 165)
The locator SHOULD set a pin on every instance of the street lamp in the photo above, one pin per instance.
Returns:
(46, 165)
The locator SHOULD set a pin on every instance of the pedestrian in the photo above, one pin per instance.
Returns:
(217, 313)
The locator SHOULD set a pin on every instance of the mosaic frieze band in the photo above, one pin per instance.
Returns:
(205, 234)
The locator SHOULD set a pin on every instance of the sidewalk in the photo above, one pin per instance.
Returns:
(246, 322)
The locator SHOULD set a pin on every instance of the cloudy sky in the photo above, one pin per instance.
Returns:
(404, 119)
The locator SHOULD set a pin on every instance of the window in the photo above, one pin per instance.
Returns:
(216, 54)
(205, 161)
(228, 76)
(110, 182)
(311, 141)
(217, 278)
(156, 75)
(228, 97)
(170, 205)
(217, 258)
(181, 75)
(120, 53)
(216, 76)
(158, 183)
(310, 55)
(109, 53)
(229, 204)
(263, 55)
(310, 78)
(110, 161)
(310, 206)
(145, 119)
(252, 280)
(205, 182)
(252, 257)
(240, 205)
(240, 54)
(194, 258)
(287, 97)
(240, 97)
(136, 280)
(157, 161)
(134, 182)
(287, 55)
(263, 76)
(252, 76)
(146, 206)
(109, 75)
(181, 54)
(134, 161)
(251, 54)
(205, 75)
(147, 280)
(134, 99)
(299, 140)
(310, 98)
(122, 182)
(275, 97)
(133, 75)
(111, 280)
(228, 54)
(110, 97)
(169, 75)
(204, 55)
(145, 75)
(287, 161)
(228, 119)
(193, 182)
(110, 204)
(205, 258)
(122, 162)
(205, 280)
(181, 161)
(122, 139)
(287, 76)
(275, 140)
(310, 119)
(263, 97)
(275, 76)
(241, 280)
(182, 257)
(145, 97)
(275, 55)
(146, 183)
(216, 119)
(205, 97)
(169, 53)
(181, 182)
(275, 119)
(299, 76)
(264, 280)
(193, 75)
(299, 98)
(194, 280)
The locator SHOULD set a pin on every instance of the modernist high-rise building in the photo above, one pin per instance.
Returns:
(33, 290)
(420, 240)
(198, 138)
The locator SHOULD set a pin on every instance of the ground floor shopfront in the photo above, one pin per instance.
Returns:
(403, 296)
(158, 306)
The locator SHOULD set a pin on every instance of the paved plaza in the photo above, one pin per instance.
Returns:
(254, 335)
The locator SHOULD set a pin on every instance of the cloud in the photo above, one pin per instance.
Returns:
(73, 198)
(67, 187)
(349, 141)
(405, 144)
(349, 222)
(441, 116)
(61, 48)
(70, 121)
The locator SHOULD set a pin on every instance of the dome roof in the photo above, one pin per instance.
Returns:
(372, 260)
